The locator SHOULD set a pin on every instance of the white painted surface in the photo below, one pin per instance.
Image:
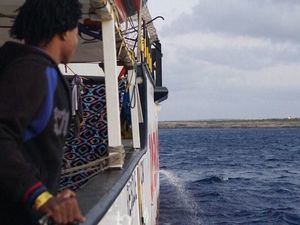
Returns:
(124, 210)
(111, 83)
(134, 110)
(154, 153)
(81, 69)
(148, 179)
(146, 188)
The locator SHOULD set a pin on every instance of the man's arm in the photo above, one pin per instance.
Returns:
(22, 91)
(21, 95)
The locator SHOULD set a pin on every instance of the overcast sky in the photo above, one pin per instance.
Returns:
(230, 59)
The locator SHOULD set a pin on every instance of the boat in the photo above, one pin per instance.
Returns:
(112, 151)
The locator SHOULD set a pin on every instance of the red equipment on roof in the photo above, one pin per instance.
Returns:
(128, 8)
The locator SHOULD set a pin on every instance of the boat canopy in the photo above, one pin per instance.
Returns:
(90, 48)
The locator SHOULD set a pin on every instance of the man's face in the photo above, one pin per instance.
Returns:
(69, 45)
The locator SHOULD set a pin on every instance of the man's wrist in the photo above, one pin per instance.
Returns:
(42, 199)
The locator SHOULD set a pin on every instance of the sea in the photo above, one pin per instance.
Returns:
(229, 176)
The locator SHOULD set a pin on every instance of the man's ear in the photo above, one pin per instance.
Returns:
(62, 36)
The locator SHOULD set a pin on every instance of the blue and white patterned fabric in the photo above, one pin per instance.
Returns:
(90, 144)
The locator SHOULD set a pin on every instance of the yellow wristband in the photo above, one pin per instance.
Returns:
(42, 199)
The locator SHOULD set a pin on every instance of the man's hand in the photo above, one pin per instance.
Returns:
(63, 209)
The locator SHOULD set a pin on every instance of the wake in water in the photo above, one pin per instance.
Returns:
(234, 176)
(184, 197)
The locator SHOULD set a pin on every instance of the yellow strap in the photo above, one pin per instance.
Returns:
(42, 199)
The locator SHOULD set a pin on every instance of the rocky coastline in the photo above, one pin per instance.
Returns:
(262, 123)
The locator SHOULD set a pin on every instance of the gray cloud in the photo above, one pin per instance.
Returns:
(273, 19)
(248, 59)
(241, 53)
(233, 59)
(206, 90)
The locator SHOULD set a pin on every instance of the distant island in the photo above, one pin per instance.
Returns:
(261, 123)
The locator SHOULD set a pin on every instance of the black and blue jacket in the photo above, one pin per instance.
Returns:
(34, 119)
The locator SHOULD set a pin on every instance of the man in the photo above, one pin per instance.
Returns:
(35, 112)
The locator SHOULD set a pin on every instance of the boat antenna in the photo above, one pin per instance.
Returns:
(133, 29)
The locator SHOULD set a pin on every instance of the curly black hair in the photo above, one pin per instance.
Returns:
(38, 21)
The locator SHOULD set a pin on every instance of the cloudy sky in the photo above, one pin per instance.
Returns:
(230, 59)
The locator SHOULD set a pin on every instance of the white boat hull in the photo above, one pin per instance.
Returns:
(137, 203)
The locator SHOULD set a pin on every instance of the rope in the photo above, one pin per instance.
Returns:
(74, 170)
(134, 89)
(116, 154)
(7, 16)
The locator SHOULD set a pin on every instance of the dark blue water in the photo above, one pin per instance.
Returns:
(229, 176)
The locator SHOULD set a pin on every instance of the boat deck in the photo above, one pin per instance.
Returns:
(96, 197)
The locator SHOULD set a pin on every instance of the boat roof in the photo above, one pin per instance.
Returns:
(88, 51)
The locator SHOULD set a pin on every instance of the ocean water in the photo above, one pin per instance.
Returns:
(229, 176)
